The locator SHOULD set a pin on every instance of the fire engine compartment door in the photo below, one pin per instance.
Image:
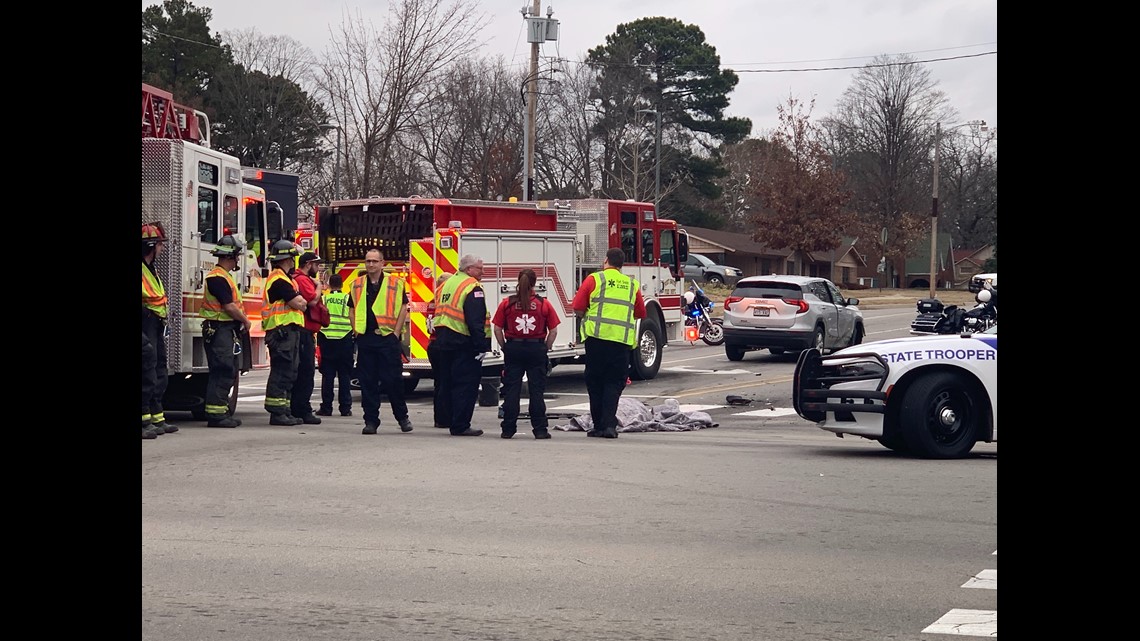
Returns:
(552, 256)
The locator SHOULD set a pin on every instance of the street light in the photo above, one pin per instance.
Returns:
(977, 124)
(656, 157)
(325, 126)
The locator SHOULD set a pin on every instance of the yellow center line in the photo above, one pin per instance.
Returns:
(732, 387)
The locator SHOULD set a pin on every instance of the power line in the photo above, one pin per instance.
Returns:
(154, 32)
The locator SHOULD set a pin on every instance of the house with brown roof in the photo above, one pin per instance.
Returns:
(842, 266)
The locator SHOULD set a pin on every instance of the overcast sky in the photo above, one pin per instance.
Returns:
(759, 39)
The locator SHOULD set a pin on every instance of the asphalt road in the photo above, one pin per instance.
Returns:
(764, 527)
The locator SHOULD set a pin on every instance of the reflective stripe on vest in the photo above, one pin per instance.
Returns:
(340, 324)
(211, 306)
(153, 293)
(610, 315)
(386, 307)
(279, 313)
(449, 306)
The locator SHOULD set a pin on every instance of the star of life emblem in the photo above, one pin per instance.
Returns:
(524, 324)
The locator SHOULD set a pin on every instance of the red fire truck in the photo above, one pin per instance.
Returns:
(563, 241)
(198, 196)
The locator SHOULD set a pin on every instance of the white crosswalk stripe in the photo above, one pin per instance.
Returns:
(972, 623)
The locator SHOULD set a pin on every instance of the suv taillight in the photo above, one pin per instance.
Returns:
(732, 299)
(798, 302)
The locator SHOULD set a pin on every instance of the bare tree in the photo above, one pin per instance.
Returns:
(468, 136)
(968, 186)
(376, 80)
(881, 134)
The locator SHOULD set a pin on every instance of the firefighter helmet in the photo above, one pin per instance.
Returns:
(153, 234)
(282, 250)
(228, 246)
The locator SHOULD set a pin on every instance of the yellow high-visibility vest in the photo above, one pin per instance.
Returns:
(449, 306)
(610, 314)
(153, 293)
(340, 323)
(386, 307)
(278, 313)
(211, 306)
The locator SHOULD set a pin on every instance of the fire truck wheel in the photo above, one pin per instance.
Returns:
(645, 359)
(410, 383)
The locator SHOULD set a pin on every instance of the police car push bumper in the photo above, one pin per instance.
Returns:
(932, 396)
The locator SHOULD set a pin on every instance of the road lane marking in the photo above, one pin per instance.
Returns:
(586, 407)
(723, 388)
(986, 580)
(973, 623)
(775, 412)
(689, 370)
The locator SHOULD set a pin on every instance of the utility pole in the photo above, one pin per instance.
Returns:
(538, 30)
(531, 108)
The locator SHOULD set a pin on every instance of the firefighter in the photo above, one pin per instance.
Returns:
(379, 312)
(336, 345)
(609, 304)
(316, 317)
(525, 326)
(154, 332)
(283, 318)
(224, 322)
(441, 407)
(462, 327)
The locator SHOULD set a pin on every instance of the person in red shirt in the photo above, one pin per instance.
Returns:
(608, 326)
(301, 398)
(525, 326)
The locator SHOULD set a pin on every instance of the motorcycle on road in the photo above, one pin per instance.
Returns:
(698, 313)
(934, 318)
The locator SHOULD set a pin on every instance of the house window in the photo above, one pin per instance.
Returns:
(791, 268)
(846, 278)
(765, 266)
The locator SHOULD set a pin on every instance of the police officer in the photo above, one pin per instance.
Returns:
(525, 326)
(609, 304)
(283, 318)
(224, 322)
(462, 328)
(154, 332)
(336, 345)
(379, 311)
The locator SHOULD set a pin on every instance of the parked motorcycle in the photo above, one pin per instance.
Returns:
(934, 318)
(698, 312)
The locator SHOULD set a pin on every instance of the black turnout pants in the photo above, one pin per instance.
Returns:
(301, 396)
(283, 343)
(336, 366)
(458, 376)
(607, 367)
(441, 406)
(380, 368)
(223, 364)
(527, 357)
(154, 376)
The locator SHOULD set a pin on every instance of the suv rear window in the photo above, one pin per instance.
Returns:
(768, 290)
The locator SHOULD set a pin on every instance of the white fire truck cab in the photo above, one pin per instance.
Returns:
(562, 241)
(196, 193)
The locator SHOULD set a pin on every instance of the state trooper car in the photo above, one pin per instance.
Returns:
(929, 396)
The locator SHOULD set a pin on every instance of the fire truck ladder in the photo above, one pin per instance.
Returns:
(164, 118)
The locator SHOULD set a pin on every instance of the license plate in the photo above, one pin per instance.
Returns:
(761, 311)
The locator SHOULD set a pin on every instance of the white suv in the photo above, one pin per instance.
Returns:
(789, 313)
